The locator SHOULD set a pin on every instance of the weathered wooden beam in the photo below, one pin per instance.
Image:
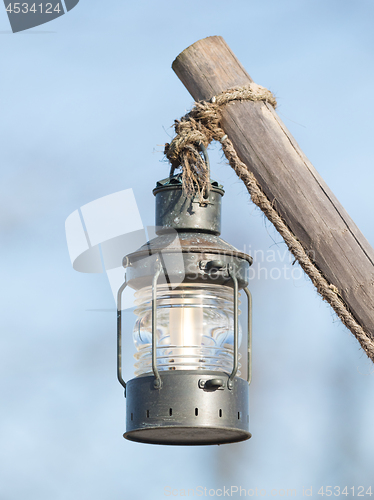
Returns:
(291, 183)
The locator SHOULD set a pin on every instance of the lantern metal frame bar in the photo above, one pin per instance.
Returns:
(232, 273)
(157, 382)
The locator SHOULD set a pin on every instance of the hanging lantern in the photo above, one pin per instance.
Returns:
(187, 389)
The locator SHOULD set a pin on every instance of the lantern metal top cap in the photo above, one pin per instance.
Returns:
(177, 210)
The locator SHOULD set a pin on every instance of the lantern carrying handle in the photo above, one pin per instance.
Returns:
(230, 383)
(249, 333)
(157, 381)
(119, 335)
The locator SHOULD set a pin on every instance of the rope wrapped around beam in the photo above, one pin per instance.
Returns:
(202, 125)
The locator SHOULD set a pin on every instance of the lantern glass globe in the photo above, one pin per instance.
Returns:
(195, 328)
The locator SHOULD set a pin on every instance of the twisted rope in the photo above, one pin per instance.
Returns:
(202, 125)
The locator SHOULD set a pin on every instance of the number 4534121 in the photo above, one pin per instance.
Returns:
(24, 8)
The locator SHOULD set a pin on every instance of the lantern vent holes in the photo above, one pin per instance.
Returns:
(220, 414)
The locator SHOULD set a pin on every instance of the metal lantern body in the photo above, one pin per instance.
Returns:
(187, 390)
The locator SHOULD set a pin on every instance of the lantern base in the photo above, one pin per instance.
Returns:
(192, 408)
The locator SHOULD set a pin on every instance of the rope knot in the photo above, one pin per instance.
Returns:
(201, 126)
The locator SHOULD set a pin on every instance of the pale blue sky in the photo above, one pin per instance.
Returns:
(86, 104)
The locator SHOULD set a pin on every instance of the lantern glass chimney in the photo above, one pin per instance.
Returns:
(195, 328)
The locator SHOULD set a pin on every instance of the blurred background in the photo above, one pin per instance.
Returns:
(86, 104)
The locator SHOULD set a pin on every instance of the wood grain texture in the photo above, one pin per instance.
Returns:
(298, 192)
